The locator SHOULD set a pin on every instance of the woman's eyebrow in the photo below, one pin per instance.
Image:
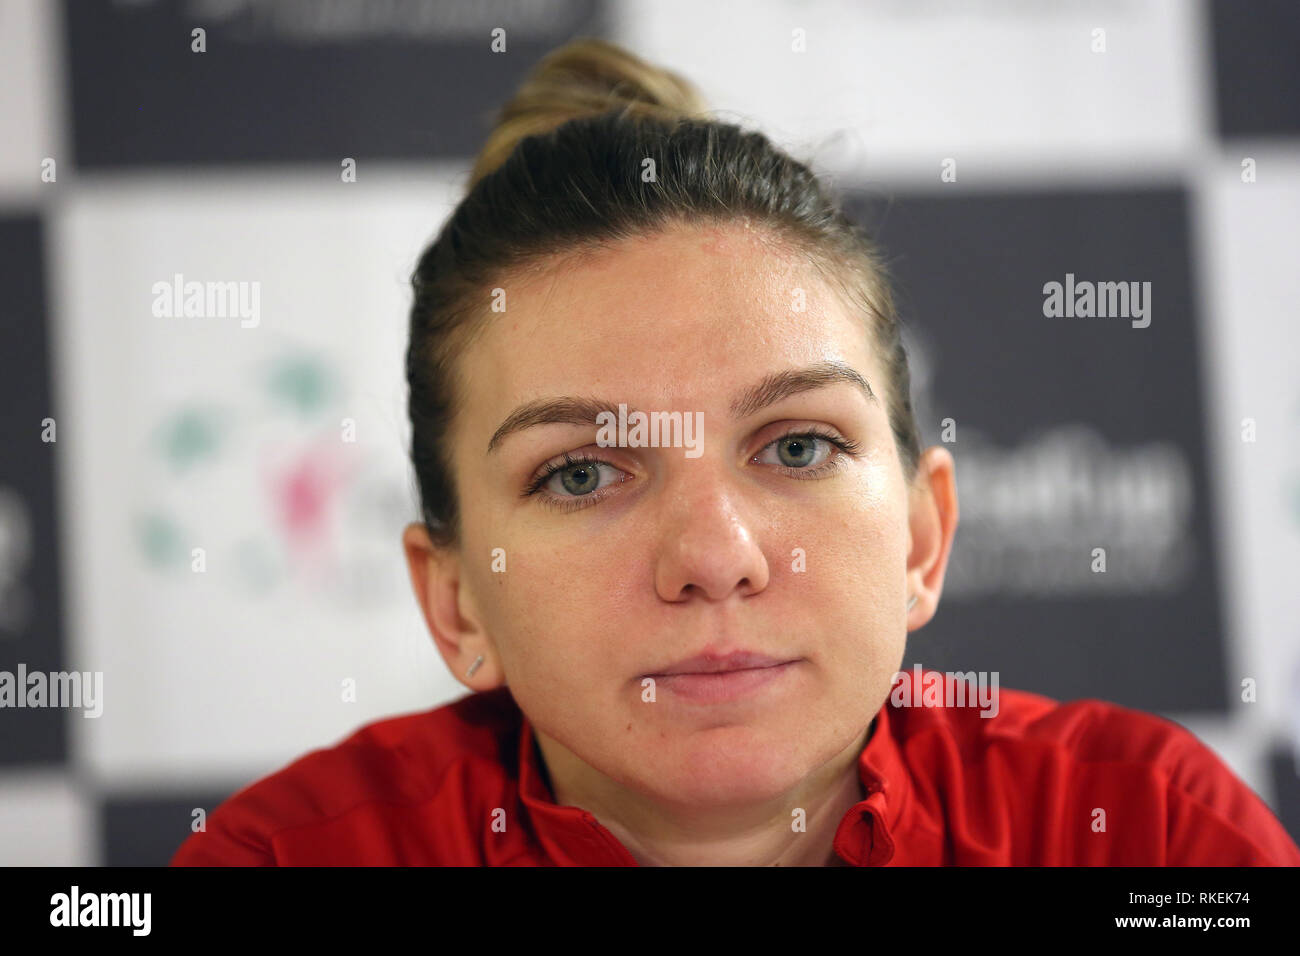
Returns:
(572, 410)
(781, 385)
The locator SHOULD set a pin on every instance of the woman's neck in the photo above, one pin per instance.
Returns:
(756, 835)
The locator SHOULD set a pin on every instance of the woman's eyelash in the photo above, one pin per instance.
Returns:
(846, 445)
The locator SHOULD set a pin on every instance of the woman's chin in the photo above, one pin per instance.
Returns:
(726, 770)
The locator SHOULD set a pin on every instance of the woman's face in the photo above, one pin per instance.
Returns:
(794, 549)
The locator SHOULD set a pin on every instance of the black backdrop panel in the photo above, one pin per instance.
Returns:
(1072, 434)
(1256, 48)
(1284, 770)
(31, 618)
(300, 81)
(147, 831)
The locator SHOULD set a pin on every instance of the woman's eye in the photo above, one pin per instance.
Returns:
(797, 451)
(580, 479)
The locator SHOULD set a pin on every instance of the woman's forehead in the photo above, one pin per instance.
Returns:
(683, 262)
(659, 300)
(657, 358)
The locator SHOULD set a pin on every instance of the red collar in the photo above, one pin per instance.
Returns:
(572, 836)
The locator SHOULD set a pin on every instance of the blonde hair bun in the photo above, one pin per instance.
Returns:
(585, 77)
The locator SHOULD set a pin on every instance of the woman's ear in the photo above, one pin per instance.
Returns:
(449, 610)
(932, 522)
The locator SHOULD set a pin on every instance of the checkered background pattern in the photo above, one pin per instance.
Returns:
(994, 146)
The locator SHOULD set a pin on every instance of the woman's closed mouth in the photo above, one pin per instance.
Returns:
(710, 677)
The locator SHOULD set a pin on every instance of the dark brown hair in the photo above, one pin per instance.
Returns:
(561, 176)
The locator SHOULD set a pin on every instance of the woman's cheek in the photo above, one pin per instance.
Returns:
(553, 628)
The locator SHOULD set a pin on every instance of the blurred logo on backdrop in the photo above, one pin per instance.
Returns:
(275, 492)
(1026, 508)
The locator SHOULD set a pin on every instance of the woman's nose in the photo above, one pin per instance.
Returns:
(707, 543)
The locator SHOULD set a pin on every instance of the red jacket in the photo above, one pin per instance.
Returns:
(943, 786)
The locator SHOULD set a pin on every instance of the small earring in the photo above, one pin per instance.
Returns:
(475, 666)
(912, 603)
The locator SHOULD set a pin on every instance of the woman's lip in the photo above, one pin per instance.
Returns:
(722, 686)
(711, 662)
